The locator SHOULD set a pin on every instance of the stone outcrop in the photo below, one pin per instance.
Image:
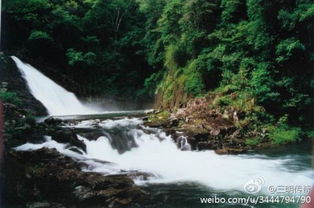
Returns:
(44, 178)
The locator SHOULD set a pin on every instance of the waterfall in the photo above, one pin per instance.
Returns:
(56, 99)
(157, 154)
(183, 143)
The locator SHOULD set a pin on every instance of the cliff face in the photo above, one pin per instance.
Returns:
(12, 80)
(179, 84)
(177, 100)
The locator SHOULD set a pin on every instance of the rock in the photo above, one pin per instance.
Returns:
(44, 205)
(19, 123)
(52, 121)
(92, 135)
(139, 175)
(227, 150)
(70, 137)
(54, 180)
(159, 119)
(221, 151)
(205, 145)
(25, 127)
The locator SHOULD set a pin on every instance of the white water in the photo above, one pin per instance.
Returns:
(158, 154)
(155, 153)
(56, 99)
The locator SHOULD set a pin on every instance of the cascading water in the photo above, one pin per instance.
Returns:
(55, 98)
(126, 146)
(156, 153)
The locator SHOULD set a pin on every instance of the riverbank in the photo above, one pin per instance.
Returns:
(228, 128)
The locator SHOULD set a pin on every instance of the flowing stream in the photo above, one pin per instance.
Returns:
(174, 174)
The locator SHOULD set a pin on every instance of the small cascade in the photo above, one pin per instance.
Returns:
(183, 143)
(56, 99)
(157, 154)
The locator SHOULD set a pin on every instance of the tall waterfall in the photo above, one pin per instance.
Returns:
(55, 98)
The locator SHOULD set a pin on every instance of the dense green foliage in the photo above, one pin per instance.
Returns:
(257, 55)
(249, 49)
(96, 44)
(9, 97)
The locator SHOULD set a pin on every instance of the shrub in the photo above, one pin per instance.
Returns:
(194, 82)
(252, 141)
(222, 101)
(9, 97)
(310, 134)
(76, 57)
(284, 134)
(37, 35)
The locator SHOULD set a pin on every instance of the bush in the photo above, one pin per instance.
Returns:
(310, 134)
(194, 82)
(222, 101)
(39, 35)
(150, 84)
(252, 141)
(78, 57)
(284, 134)
(9, 97)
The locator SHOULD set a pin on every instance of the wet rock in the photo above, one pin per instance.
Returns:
(52, 121)
(44, 178)
(68, 136)
(205, 145)
(92, 135)
(44, 205)
(227, 150)
(139, 175)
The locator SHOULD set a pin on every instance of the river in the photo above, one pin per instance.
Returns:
(175, 175)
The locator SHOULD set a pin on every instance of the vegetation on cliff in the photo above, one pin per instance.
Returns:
(253, 57)
(18, 121)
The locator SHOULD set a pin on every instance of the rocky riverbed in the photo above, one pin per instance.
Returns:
(124, 163)
(46, 178)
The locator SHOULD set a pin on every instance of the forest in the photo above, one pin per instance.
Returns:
(156, 103)
(255, 55)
